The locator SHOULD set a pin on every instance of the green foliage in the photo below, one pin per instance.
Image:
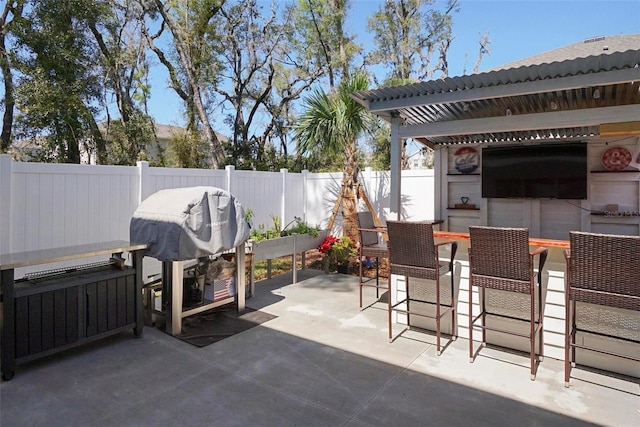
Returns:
(381, 147)
(300, 227)
(408, 33)
(59, 84)
(192, 61)
(262, 233)
(73, 60)
(332, 123)
(131, 141)
(323, 38)
(341, 251)
(187, 150)
(249, 214)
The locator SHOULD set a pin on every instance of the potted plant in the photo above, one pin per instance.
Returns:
(277, 241)
(338, 252)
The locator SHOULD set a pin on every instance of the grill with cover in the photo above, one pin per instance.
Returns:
(186, 223)
(193, 223)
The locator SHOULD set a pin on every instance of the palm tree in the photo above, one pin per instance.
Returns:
(332, 124)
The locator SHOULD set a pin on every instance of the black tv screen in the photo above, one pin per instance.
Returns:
(546, 171)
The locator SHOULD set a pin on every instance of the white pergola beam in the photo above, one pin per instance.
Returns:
(626, 75)
(524, 122)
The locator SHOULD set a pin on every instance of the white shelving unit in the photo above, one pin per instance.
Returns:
(546, 218)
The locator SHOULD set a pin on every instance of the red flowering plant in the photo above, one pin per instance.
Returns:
(337, 250)
(326, 244)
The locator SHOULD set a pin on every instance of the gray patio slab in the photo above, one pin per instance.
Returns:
(322, 361)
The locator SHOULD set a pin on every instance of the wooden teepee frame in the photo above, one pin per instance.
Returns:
(360, 195)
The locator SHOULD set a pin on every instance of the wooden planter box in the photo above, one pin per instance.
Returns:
(283, 246)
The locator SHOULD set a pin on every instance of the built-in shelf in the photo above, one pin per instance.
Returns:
(622, 171)
(464, 209)
(462, 174)
(621, 214)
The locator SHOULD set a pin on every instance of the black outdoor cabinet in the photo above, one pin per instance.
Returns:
(52, 311)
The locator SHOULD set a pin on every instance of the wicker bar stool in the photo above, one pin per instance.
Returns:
(414, 254)
(602, 270)
(371, 245)
(499, 258)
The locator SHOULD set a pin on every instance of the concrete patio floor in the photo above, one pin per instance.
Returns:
(321, 362)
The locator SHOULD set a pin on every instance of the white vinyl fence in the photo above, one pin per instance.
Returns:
(46, 206)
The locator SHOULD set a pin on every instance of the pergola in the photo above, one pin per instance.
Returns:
(587, 89)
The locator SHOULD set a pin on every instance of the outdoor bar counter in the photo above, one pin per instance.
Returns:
(533, 241)
(53, 310)
(553, 279)
(624, 322)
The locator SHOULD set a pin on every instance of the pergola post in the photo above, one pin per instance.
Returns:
(396, 166)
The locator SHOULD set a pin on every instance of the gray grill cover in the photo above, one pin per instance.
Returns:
(187, 223)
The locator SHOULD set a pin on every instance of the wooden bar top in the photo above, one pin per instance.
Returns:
(533, 241)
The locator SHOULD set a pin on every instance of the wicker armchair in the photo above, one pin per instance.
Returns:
(602, 269)
(499, 258)
(372, 246)
(414, 254)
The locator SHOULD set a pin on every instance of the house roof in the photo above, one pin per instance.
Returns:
(584, 86)
(593, 46)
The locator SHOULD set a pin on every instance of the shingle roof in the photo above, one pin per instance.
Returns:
(590, 47)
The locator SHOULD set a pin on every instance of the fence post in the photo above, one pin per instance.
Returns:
(283, 198)
(5, 204)
(305, 176)
(143, 181)
(229, 169)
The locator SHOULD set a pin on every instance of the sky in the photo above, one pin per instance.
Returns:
(517, 29)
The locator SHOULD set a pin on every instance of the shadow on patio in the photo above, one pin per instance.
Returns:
(322, 361)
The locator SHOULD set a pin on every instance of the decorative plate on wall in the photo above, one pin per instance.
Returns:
(616, 158)
(466, 160)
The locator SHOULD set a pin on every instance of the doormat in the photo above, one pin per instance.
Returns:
(214, 325)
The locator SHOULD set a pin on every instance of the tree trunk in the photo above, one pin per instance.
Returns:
(350, 200)
(181, 44)
(9, 103)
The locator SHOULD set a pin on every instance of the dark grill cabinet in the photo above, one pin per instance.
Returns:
(48, 312)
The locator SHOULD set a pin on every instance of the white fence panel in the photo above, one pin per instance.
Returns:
(417, 195)
(294, 193)
(322, 193)
(62, 205)
(376, 186)
(164, 178)
(261, 192)
(52, 205)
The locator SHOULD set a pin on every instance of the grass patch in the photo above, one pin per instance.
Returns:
(278, 266)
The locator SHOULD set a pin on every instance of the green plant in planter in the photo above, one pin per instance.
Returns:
(263, 233)
(300, 227)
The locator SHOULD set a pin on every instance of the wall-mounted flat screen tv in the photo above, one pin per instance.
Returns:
(545, 171)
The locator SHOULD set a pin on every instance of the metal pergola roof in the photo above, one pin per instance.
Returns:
(579, 91)
(559, 100)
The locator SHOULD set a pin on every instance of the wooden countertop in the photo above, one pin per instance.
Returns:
(533, 241)
(45, 256)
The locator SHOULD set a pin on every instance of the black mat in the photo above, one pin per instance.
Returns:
(214, 325)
